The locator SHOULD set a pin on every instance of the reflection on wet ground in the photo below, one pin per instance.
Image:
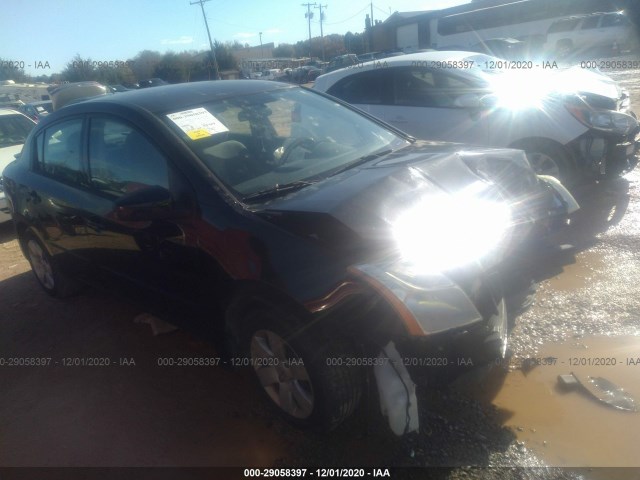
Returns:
(585, 319)
(581, 274)
(568, 427)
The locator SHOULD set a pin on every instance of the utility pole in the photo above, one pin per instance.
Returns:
(261, 51)
(309, 16)
(372, 24)
(321, 34)
(213, 52)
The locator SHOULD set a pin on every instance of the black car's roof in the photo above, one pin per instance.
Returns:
(168, 97)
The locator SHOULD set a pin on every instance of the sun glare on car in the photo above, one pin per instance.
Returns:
(443, 232)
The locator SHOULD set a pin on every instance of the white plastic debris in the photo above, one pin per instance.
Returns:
(158, 326)
(397, 391)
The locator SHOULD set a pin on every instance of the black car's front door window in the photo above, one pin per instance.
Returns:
(122, 160)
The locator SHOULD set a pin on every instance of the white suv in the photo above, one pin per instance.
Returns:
(606, 32)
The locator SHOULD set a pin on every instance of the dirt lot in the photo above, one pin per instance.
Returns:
(134, 412)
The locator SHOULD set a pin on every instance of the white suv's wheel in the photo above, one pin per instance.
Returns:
(543, 164)
(547, 158)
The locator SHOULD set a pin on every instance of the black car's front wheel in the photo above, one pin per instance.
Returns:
(282, 374)
(305, 373)
(45, 268)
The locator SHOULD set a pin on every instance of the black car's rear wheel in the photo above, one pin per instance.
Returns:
(302, 371)
(46, 270)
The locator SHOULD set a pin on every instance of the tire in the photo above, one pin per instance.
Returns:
(549, 159)
(302, 371)
(46, 270)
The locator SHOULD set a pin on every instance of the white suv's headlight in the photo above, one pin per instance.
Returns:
(605, 120)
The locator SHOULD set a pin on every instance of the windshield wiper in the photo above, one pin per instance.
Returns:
(277, 190)
(362, 160)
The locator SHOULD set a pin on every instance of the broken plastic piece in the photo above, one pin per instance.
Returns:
(602, 390)
(397, 391)
(158, 326)
(611, 394)
(568, 380)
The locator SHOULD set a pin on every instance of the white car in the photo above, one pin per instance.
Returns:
(569, 121)
(14, 128)
(584, 33)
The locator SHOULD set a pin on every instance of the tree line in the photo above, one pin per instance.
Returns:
(186, 66)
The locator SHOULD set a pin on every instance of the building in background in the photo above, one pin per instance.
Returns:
(466, 25)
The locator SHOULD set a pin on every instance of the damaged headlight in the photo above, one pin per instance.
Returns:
(511, 172)
(441, 232)
(425, 303)
(605, 120)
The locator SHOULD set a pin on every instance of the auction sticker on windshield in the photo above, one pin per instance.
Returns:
(197, 123)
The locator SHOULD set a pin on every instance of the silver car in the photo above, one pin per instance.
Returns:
(570, 122)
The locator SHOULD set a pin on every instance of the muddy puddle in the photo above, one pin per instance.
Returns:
(588, 267)
(568, 427)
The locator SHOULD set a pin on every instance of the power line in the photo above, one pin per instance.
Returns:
(351, 17)
(381, 10)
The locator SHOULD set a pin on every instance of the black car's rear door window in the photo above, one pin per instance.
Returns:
(122, 159)
(59, 152)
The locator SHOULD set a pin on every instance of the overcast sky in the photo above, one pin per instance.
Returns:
(53, 31)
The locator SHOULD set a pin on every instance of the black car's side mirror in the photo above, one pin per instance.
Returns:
(148, 203)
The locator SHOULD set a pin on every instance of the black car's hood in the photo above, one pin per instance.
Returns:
(361, 203)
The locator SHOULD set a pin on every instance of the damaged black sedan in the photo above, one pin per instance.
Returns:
(334, 244)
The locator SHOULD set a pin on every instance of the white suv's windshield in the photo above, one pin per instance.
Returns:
(275, 140)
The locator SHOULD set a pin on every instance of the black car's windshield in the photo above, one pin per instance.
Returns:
(262, 141)
(14, 129)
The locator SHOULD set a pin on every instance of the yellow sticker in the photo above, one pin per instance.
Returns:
(199, 133)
